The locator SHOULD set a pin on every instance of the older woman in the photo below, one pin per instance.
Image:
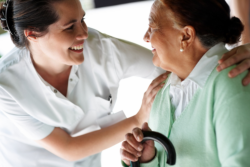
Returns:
(204, 114)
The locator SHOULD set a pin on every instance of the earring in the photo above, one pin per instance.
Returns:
(181, 50)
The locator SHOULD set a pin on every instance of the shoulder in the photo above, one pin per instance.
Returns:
(96, 37)
(225, 88)
(13, 68)
(13, 58)
(223, 81)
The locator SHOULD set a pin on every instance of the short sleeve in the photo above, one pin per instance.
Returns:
(133, 60)
(29, 126)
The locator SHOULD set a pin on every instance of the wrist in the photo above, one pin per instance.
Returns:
(140, 119)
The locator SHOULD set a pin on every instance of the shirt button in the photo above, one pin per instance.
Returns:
(71, 79)
(55, 90)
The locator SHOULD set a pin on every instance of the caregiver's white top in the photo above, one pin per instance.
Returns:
(30, 108)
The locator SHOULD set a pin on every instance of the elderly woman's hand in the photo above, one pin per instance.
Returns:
(239, 55)
(132, 149)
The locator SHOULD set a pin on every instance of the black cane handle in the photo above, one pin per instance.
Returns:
(164, 141)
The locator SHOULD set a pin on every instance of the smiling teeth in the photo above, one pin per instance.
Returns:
(79, 47)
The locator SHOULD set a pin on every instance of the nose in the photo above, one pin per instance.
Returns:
(146, 36)
(83, 32)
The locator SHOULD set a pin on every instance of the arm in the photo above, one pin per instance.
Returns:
(231, 121)
(232, 131)
(241, 9)
(132, 60)
(63, 145)
(70, 148)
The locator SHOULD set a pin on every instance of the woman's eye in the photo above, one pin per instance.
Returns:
(82, 20)
(70, 28)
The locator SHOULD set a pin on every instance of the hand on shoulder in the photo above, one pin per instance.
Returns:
(240, 56)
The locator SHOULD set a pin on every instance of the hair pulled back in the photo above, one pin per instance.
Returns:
(33, 15)
(210, 19)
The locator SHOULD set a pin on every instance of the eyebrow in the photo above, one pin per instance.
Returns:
(151, 21)
(72, 21)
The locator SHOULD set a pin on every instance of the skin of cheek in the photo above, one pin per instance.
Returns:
(56, 45)
(166, 50)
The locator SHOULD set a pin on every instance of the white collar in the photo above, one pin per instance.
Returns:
(73, 71)
(73, 74)
(202, 70)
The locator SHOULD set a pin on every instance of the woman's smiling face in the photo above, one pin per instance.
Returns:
(163, 36)
(64, 41)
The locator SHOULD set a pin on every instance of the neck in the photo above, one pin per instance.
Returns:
(48, 68)
(188, 61)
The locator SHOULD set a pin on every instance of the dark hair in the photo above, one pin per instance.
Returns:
(210, 19)
(33, 15)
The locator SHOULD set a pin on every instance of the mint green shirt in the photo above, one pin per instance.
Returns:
(214, 128)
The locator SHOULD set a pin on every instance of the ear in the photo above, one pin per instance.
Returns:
(187, 37)
(31, 35)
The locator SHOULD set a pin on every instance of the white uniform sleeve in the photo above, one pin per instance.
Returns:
(29, 126)
(133, 60)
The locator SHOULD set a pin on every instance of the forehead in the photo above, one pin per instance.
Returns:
(160, 14)
(69, 10)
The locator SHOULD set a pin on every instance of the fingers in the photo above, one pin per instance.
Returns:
(126, 161)
(138, 135)
(132, 141)
(154, 87)
(157, 81)
(129, 153)
(232, 60)
(153, 93)
(227, 55)
(131, 148)
(234, 56)
(246, 80)
(145, 127)
(243, 66)
(126, 156)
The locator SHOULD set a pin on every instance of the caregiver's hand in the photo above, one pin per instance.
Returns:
(148, 98)
(132, 149)
(239, 55)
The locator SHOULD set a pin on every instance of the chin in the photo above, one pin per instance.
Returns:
(156, 61)
(76, 61)
(79, 61)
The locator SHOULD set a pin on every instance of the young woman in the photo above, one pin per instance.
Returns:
(61, 83)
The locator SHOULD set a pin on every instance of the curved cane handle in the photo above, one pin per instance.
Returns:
(164, 141)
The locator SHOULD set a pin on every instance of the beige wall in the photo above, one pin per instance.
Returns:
(1, 30)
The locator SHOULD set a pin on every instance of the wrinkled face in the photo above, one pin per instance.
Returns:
(163, 36)
(64, 41)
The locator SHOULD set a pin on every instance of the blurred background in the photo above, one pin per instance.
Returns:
(125, 19)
